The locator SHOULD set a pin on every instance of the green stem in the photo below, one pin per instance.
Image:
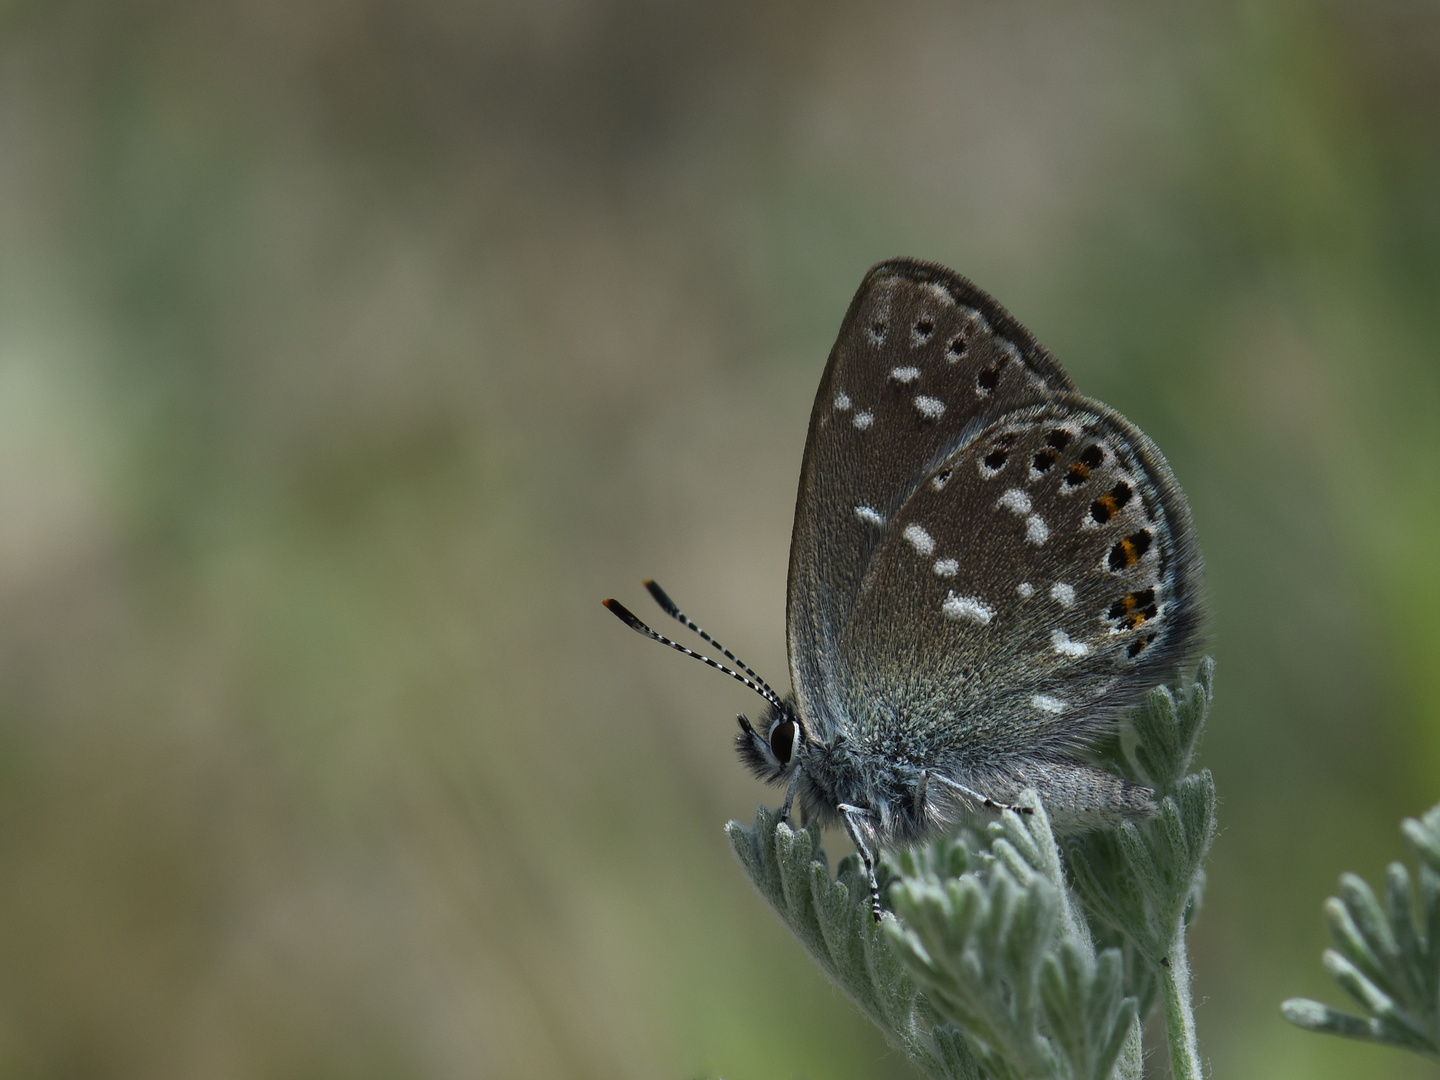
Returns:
(1180, 1013)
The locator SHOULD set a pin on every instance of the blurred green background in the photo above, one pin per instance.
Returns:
(351, 351)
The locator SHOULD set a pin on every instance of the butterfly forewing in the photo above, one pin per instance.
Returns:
(1032, 583)
(924, 362)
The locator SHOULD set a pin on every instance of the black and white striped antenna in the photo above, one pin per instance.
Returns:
(625, 615)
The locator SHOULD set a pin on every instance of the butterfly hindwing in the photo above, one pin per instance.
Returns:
(1038, 579)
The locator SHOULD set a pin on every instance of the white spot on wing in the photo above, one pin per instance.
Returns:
(1036, 531)
(930, 408)
(905, 374)
(1025, 589)
(919, 539)
(1016, 501)
(946, 567)
(941, 479)
(940, 293)
(863, 420)
(842, 401)
(969, 608)
(869, 516)
(1046, 703)
(1065, 647)
(1063, 594)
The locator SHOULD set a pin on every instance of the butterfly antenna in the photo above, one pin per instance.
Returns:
(621, 612)
(663, 599)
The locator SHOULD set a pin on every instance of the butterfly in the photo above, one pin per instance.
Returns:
(986, 569)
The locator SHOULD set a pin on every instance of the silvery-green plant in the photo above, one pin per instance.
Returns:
(1386, 955)
(1011, 953)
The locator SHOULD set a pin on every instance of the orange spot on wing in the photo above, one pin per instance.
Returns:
(1127, 552)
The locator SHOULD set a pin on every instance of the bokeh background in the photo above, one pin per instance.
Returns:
(352, 350)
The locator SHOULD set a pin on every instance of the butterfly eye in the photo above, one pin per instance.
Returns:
(785, 740)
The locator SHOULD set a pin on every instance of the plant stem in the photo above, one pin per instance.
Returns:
(1180, 1013)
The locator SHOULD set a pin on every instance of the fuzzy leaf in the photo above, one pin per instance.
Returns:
(1001, 954)
(1386, 958)
(1167, 730)
(1087, 1009)
(1143, 880)
(1141, 884)
(831, 917)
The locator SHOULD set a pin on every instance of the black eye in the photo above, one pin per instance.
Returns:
(784, 737)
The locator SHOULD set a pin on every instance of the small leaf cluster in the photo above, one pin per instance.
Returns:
(1009, 955)
(1386, 955)
(1001, 952)
(832, 919)
(1142, 882)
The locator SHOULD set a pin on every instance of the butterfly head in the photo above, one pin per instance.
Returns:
(772, 751)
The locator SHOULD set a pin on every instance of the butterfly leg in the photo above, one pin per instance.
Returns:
(853, 817)
(984, 800)
(790, 795)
